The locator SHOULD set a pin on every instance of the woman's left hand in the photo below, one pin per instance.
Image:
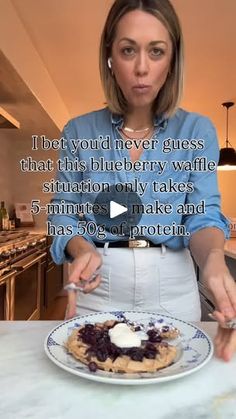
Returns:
(225, 340)
(222, 286)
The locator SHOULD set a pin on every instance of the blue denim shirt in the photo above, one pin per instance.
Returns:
(183, 125)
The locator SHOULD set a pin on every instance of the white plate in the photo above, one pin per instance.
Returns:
(195, 348)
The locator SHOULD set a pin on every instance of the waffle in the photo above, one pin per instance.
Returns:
(91, 345)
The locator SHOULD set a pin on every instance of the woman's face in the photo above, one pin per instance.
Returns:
(141, 56)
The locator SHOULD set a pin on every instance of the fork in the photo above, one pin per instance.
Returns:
(230, 324)
(71, 286)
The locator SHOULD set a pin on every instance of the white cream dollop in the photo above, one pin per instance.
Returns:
(123, 337)
(142, 335)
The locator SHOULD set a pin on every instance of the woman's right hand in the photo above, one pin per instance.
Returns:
(84, 266)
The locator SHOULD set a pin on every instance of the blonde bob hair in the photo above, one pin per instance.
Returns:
(170, 94)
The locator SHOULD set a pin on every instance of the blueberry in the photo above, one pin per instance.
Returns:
(150, 347)
(165, 329)
(151, 333)
(125, 351)
(89, 326)
(101, 355)
(155, 338)
(135, 353)
(137, 328)
(150, 354)
(114, 350)
(101, 341)
(91, 350)
(137, 356)
(92, 366)
(89, 339)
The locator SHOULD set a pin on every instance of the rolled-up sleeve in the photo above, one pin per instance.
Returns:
(206, 190)
(58, 247)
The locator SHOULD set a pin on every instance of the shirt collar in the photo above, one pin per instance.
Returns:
(159, 120)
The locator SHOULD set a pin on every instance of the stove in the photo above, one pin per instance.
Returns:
(23, 257)
(17, 245)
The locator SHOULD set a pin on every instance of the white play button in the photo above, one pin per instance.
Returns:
(116, 209)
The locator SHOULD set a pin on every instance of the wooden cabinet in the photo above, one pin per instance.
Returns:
(53, 282)
(42, 287)
(4, 300)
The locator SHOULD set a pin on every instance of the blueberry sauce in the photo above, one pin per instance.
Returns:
(100, 345)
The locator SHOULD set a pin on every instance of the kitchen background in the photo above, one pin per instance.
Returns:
(49, 74)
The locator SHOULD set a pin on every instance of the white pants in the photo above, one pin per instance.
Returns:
(155, 279)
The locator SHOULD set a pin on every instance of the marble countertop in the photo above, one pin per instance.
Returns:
(31, 386)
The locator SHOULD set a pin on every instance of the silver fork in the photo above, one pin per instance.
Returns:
(230, 324)
(71, 286)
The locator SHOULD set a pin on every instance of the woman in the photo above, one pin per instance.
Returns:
(141, 66)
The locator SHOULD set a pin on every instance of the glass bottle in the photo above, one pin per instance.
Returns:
(4, 217)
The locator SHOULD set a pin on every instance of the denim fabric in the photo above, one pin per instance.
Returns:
(183, 125)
